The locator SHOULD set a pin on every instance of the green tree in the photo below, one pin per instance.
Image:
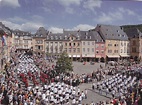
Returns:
(64, 64)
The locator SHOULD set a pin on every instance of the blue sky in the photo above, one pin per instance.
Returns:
(56, 15)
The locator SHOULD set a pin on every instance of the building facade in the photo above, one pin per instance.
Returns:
(22, 40)
(135, 37)
(54, 45)
(114, 37)
(38, 41)
(5, 44)
(72, 44)
(88, 46)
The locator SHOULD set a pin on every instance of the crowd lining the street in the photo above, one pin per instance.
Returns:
(31, 80)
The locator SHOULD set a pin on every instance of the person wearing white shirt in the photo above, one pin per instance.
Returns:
(43, 96)
(74, 102)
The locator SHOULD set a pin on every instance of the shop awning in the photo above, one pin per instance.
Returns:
(113, 56)
(125, 55)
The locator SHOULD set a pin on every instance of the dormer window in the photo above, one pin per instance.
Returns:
(66, 37)
(56, 37)
(51, 37)
(47, 37)
(86, 33)
(78, 37)
(117, 30)
(60, 37)
(41, 35)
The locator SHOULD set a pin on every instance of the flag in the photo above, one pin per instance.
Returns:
(4, 43)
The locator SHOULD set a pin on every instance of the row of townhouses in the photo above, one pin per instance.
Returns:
(103, 42)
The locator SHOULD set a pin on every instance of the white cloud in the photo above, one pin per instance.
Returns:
(83, 27)
(55, 30)
(10, 3)
(27, 26)
(92, 4)
(69, 2)
(127, 11)
(110, 17)
(17, 19)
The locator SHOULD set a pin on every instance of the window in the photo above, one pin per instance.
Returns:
(109, 44)
(125, 44)
(39, 41)
(78, 37)
(78, 50)
(69, 44)
(25, 46)
(73, 44)
(83, 49)
(60, 50)
(60, 37)
(121, 51)
(65, 44)
(69, 50)
(121, 44)
(97, 52)
(97, 45)
(65, 49)
(88, 43)
(92, 49)
(109, 51)
(74, 50)
(56, 37)
(115, 51)
(78, 44)
(60, 43)
(88, 49)
(102, 46)
(125, 50)
(51, 37)
(102, 51)
(83, 43)
(66, 37)
(92, 43)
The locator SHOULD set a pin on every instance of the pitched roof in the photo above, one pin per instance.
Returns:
(41, 32)
(133, 32)
(111, 32)
(21, 33)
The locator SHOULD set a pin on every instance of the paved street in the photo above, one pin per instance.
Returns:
(79, 68)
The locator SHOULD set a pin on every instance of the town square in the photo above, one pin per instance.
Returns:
(70, 52)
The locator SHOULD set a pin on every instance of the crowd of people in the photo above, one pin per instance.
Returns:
(124, 87)
(31, 80)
